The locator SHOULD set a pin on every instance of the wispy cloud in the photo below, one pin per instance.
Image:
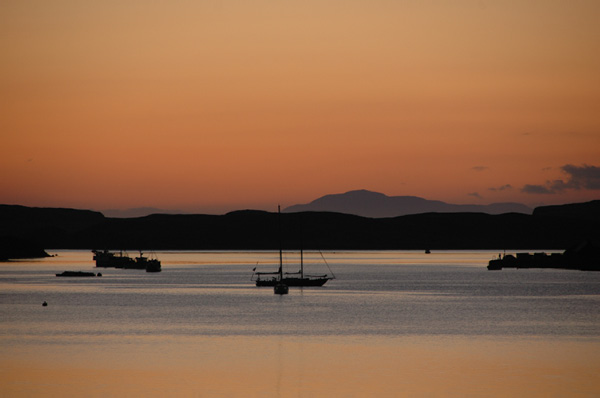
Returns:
(480, 168)
(578, 178)
(536, 189)
(501, 188)
(475, 194)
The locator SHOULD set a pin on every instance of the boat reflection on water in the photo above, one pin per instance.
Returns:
(398, 323)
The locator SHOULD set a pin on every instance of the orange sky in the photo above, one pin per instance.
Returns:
(210, 106)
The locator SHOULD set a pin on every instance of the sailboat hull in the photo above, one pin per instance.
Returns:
(296, 282)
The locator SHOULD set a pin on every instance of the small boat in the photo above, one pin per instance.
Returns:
(281, 288)
(77, 273)
(495, 265)
(150, 265)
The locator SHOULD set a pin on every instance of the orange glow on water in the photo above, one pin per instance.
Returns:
(316, 367)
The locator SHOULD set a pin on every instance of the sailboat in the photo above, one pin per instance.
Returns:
(291, 278)
(296, 279)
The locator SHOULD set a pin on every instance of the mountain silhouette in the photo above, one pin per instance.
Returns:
(377, 205)
(137, 212)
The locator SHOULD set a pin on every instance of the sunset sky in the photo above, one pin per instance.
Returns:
(211, 106)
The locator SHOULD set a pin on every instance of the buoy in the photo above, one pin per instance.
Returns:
(44, 304)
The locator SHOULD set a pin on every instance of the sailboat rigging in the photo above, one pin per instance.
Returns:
(295, 279)
(280, 287)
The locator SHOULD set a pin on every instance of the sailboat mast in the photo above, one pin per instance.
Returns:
(301, 263)
(301, 252)
(280, 249)
(280, 287)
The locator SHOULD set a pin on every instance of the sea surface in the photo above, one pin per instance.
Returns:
(392, 324)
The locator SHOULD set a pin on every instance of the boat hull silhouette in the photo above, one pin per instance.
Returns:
(295, 282)
(106, 259)
(77, 274)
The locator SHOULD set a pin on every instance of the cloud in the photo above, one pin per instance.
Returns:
(502, 188)
(585, 177)
(536, 189)
(578, 178)
(480, 168)
(475, 194)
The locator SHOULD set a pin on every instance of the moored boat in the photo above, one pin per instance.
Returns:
(585, 257)
(294, 279)
(149, 264)
(109, 259)
(77, 273)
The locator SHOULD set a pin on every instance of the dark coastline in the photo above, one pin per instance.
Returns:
(16, 248)
(552, 227)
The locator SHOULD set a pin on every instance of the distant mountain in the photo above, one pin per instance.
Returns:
(137, 212)
(377, 205)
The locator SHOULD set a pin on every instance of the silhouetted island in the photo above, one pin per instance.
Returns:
(548, 228)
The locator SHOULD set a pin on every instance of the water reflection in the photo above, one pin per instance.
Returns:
(392, 324)
(315, 367)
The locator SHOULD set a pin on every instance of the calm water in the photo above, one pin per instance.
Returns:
(392, 324)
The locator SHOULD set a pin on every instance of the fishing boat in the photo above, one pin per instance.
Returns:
(109, 259)
(149, 264)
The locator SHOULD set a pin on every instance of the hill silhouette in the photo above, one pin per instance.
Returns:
(377, 205)
(137, 212)
(556, 227)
